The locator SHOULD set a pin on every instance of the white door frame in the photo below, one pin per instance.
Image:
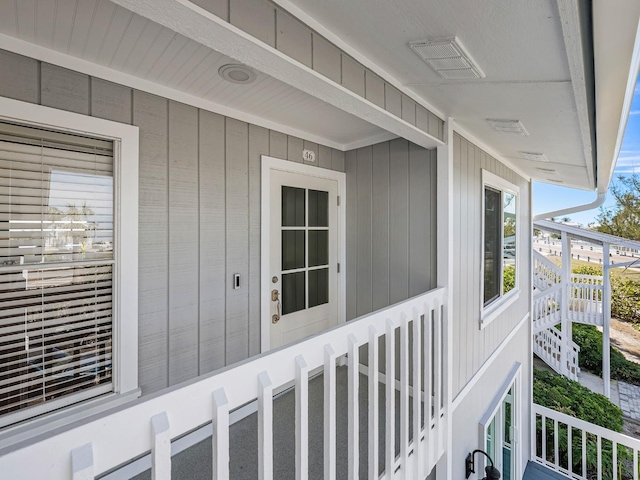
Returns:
(269, 164)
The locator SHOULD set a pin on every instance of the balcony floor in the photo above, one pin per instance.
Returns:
(535, 471)
(194, 463)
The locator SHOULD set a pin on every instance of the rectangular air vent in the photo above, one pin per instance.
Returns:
(534, 157)
(508, 126)
(448, 58)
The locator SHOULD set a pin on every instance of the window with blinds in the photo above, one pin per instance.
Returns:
(56, 270)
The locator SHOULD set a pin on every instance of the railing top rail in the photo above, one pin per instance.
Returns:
(587, 427)
(189, 405)
(581, 276)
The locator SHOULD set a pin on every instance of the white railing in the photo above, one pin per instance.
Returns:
(547, 343)
(418, 325)
(585, 303)
(547, 308)
(581, 450)
(545, 272)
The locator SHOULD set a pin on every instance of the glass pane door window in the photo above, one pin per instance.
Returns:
(305, 248)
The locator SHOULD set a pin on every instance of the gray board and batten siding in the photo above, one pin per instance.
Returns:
(275, 27)
(199, 217)
(391, 224)
(472, 346)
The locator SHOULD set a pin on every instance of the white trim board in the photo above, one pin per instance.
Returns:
(272, 163)
(487, 364)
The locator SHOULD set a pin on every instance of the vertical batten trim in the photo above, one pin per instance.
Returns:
(417, 389)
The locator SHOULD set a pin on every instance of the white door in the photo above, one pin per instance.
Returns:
(303, 256)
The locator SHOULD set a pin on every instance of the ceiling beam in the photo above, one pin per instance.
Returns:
(207, 29)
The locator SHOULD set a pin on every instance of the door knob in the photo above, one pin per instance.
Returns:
(275, 297)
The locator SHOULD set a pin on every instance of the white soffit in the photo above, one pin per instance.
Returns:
(518, 45)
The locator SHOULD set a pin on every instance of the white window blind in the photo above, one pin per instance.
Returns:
(56, 270)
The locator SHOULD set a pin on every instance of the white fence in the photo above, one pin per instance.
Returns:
(582, 450)
(148, 425)
(547, 343)
(545, 272)
(547, 308)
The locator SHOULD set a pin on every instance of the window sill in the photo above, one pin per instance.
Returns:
(493, 311)
(31, 431)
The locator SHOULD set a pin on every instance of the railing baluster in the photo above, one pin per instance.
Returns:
(220, 440)
(635, 464)
(556, 460)
(584, 453)
(390, 393)
(599, 457)
(570, 449)
(615, 459)
(438, 349)
(302, 418)
(374, 432)
(329, 412)
(160, 447)
(404, 392)
(265, 427)
(417, 393)
(354, 410)
(544, 437)
(427, 378)
(82, 462)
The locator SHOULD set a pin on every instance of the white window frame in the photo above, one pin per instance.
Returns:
(125, 269)
(513, 382)
(490, 312)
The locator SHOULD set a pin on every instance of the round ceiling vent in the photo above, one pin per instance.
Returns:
(237, 73)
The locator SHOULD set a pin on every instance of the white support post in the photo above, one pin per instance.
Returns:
(81, 462)
(265, 427)
(390, 393)
(374, 428)
(329, 412)
(160, 447)
(444, 218)
(564, 304)
(220, 439)
(353, 408)
(606, 320)
(302, 418)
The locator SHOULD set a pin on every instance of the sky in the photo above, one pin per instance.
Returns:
(552, 197)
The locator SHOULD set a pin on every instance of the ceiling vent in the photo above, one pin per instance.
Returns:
(448, 58)
(534, 157)
(508, 126)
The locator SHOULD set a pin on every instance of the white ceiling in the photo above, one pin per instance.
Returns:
(518, 44)
(101, 32)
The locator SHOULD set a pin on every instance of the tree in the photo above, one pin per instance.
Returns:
(622, 220)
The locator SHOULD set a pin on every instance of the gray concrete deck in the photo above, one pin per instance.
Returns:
(535, 471)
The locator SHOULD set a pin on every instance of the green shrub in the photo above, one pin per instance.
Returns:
(588, 270)
(567, 396)
(508, 278)
(625, 299)
(589, 339)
